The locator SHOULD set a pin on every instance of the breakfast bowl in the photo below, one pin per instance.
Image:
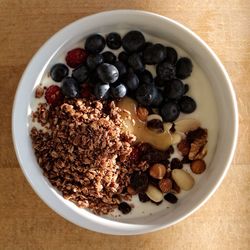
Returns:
(210, 87)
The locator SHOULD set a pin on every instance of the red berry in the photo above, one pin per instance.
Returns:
(53, 95)
(85, 91)
(135, 154)
(76, 57)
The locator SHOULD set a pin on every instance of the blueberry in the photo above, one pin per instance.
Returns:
(187, 104)
(174, 89)
(171, 55)
(118, 91)
(146, 45)
(184, 68)
(123, 57)
(70, 87)
(165, 71)
(80, 73)
(94, 44)
(121, 68)
(154, 54)
(186, 88)
(131, 80)
(93, 78)
(114, 40)
(93, 61)
(109, 57)
(159, 82)
(145, 77)
(133, 41)
(135, 62)
(101, 91)
(107, 73)
(170, 111)
(146, 94)
(158, 99)
(58, 72)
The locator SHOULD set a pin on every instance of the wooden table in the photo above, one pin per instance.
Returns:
(27, 223)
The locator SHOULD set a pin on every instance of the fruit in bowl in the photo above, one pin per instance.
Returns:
(124, 122)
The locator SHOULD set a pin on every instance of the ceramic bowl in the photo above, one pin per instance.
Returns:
(158, 26)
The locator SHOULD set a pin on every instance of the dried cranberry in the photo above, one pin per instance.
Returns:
(176, 163)
(53, 95)
(124, 207)
(139, 181)
(143, 197)
(76, 57)
(135, 154)
(85, 91)
(171, 198)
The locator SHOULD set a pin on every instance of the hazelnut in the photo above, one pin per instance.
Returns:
(154, 194)
(157, 171)
(165, 185)
(39, 92)
(198, 166)
(142, 113)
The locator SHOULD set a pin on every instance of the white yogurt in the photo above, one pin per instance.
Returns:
(206, 113)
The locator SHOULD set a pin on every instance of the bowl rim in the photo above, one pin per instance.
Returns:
(113, 227)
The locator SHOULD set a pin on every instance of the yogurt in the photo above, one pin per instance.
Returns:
(200, 90)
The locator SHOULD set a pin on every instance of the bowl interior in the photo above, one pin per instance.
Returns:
(159, 27)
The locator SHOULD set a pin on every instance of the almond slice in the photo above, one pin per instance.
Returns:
(183, 179)
(186, 125)
(167, 126)
(176, 138)
(154, 117)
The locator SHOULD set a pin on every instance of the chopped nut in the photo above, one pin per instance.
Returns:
(202, 153)
(165, 185)
(198, 166)
(154, 194)
(39, 91)
(142, 113)
(184, 147)
(157, 171)
(199, 140)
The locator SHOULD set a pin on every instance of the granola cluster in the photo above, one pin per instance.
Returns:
(84, 152)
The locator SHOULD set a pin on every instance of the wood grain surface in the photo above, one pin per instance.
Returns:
(27, 223)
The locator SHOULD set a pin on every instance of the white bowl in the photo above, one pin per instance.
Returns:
(158, 26)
